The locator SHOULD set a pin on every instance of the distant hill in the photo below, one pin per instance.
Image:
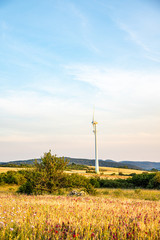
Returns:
(102, 163)
(144, 165)
(20, 162)
(82, 161)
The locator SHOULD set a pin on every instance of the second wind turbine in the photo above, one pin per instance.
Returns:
(94, 123)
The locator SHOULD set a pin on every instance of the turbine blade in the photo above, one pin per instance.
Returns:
(93, 114)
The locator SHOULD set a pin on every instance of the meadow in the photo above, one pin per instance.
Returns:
(63, 217)
(111, 170)
(103, 170)
(114, 214)
(6, 169)
(107, 172)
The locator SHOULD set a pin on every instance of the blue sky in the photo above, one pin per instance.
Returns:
(60, 58)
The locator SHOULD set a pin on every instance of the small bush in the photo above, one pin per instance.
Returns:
(26, 188)
(137, 191)
(121, 174)
(95, 182)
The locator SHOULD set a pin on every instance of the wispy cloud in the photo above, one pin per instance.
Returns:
(121, 88)
(136, 38)
(133, 36)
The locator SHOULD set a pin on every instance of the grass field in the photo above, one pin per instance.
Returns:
(114, 214)
(111, 170)
(62, 217)
(138, 194)
(8, 188)
(6, 169)
(107, 172)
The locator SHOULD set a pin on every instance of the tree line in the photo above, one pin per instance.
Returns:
(48, 176)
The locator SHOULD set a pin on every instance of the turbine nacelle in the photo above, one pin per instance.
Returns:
(94, 122)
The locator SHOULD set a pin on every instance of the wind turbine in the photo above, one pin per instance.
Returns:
(94, 123)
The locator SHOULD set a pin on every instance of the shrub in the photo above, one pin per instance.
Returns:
(155, 181)
(95, 182)
(12, 177)
(26, 188)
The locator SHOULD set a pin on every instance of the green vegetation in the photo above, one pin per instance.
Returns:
(144, 180)
(48, 176)
(13, 177)
(13, 165)
(139, 194)
(74, 166)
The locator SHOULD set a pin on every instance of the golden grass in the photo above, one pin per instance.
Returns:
(111, 170)
(61, 217)
(140, 194)
(8, 188)
(107, 172)
(6, 169)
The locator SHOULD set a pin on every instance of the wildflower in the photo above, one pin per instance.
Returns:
(92, 235)
(11, 229)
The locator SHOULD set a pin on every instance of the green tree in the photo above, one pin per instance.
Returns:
(47, 176)
(155, 181)
(51, 170)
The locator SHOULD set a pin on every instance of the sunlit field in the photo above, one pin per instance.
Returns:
(6, 169)
(111, 170)
(62, 217)
(8, 188)
(138, 194)
(107, 172)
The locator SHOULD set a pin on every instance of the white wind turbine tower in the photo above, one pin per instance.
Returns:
(94, 123)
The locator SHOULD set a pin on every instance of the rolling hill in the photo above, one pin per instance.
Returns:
(140, 165)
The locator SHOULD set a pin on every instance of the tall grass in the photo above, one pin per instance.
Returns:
(61, 217)
(139, 194)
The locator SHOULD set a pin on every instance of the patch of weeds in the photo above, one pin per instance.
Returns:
(118, 193)
(106, 192)
(137, 191)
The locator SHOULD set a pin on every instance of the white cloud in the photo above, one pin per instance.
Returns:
(114, 83)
